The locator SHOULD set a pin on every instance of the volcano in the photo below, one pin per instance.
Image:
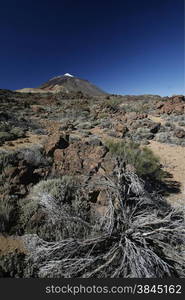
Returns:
(67, 83)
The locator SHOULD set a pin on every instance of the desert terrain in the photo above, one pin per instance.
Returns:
(78, 165)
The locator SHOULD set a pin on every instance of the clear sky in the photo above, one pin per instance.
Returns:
(124, 47)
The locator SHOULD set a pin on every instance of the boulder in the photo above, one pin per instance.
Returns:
(78, 158)
(178, 98)
(55, 141)
(159, 105)
(155, 127)
(121, 129)
(131, 116)
(173, 105)
(37, 109)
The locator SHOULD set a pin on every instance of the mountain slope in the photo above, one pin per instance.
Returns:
(67, 83)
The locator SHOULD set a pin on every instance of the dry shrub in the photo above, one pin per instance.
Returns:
(137, 237)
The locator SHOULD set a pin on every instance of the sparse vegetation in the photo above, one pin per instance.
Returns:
(137, 107)
(109, 219)
(144, 133)
(111, 104)
(5, 136)
(162, 137)
(85, 125)
(17, 132)
(143, 160)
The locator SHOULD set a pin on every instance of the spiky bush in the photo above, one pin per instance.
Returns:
(138, 237)
(53, 210)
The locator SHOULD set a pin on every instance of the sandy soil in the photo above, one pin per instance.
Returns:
(173, 159)
(11, 244)
(156, 119)
(28, 141)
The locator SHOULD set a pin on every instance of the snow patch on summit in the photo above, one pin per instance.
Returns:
(69, 75)
(60, 76)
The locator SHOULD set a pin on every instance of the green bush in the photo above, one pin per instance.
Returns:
(181, 123)
(8, 135)
(103, 115)
(143, 160)
(5, 136)
(17, 132)
(162, 137)
(144, 133)
(85, 125)
(4, 127)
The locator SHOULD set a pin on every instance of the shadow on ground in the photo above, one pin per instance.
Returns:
(165, 187)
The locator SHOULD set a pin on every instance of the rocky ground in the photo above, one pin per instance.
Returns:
(52, 144)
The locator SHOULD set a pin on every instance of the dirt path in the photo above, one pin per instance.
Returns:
(173, 159)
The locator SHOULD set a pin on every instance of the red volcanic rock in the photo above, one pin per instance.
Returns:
(78, 158)
(131, 116)
(37, 109)
(159, 105)
(170, 108)
(178, 99)
(55, 141)
(175, 105)
(142, 116)
(21, 177)
(121, 129)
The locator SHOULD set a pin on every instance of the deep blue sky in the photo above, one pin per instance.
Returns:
(125, 47)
